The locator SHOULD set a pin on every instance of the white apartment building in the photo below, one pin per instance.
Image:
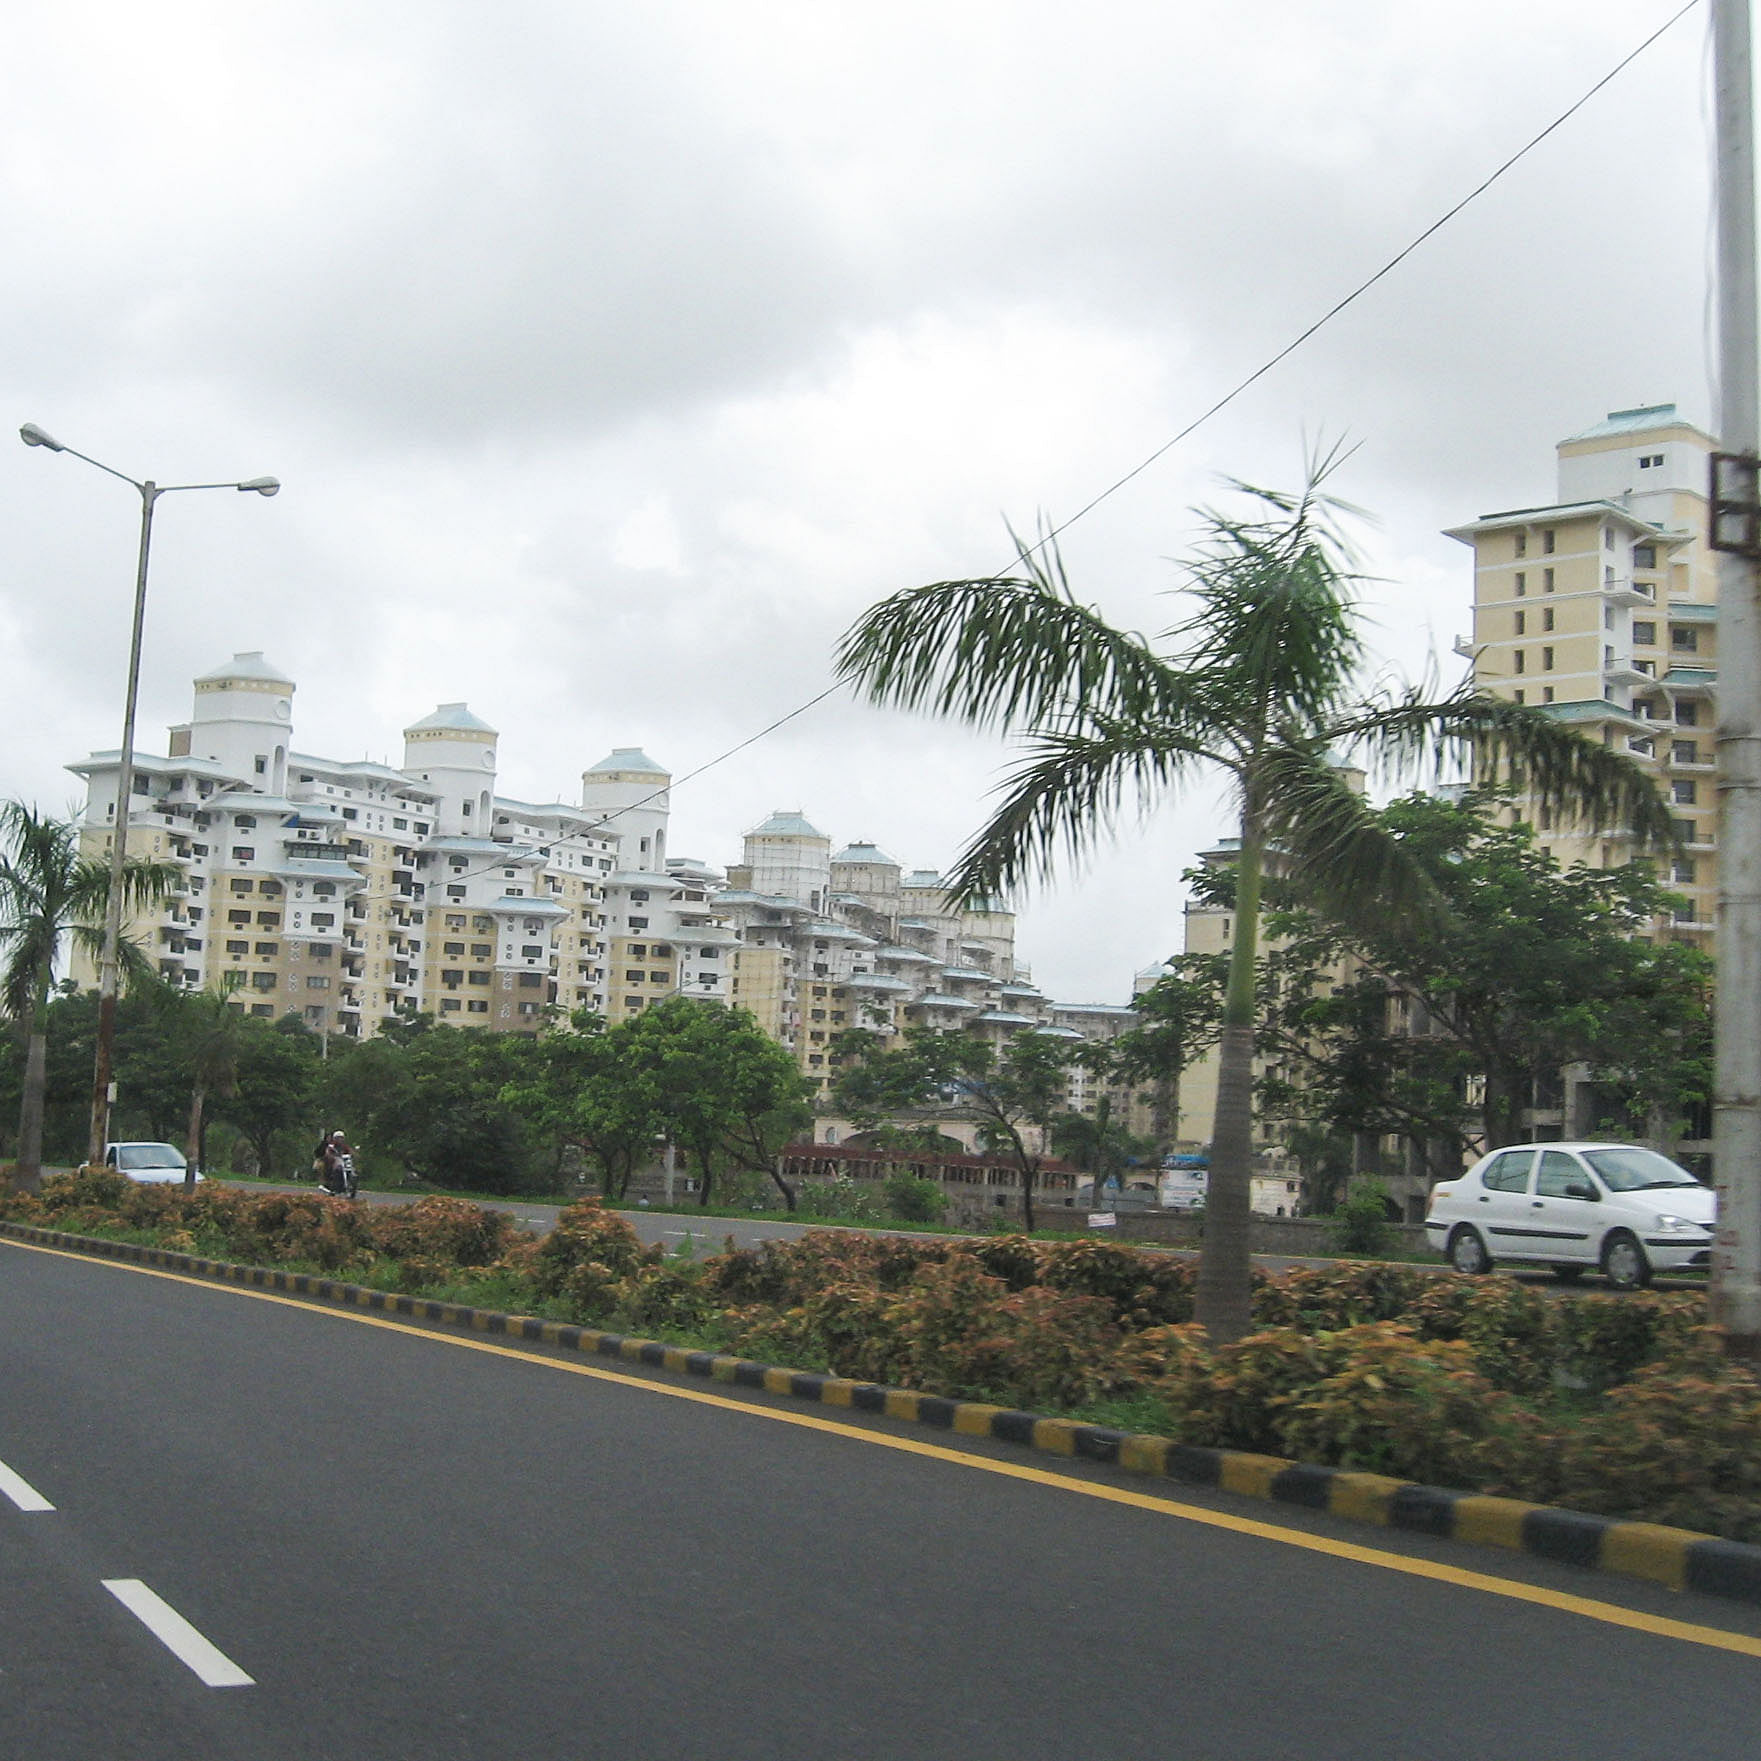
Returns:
(1602, 608)
(350, 892)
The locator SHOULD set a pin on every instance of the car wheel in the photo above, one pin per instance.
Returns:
(1467, 1253)
(1568, 1274)
(1623, 1262)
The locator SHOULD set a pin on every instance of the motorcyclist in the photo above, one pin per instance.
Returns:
(339, 1178)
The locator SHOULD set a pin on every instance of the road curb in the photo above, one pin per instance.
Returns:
(1679, 1559)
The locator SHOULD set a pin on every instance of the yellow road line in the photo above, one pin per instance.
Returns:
(1610, 1614)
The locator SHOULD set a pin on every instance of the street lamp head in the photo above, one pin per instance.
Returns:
(262, 485)
(32, 435)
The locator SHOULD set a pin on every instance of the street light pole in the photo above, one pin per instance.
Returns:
(110, 963)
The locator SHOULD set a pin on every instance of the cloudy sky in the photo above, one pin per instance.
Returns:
(616, 357)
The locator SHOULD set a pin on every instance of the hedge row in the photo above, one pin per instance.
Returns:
(1619, 1405)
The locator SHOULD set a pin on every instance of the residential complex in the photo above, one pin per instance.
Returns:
(353, 892)
(1602, 607)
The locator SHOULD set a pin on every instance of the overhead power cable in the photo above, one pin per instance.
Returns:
(1225, 400)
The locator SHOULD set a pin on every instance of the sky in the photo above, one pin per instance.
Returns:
(616, 358)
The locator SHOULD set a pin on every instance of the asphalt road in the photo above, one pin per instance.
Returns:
(426, 1545)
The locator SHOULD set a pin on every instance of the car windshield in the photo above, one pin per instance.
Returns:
(1634, 1170)
(147, 1155)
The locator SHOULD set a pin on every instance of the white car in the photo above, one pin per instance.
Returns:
(1570, 1206)
(150, 1163)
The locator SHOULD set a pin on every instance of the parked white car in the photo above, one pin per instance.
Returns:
(150, 1163)
(1616, 1206)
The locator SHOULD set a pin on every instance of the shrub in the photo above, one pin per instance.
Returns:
(1324, 1299)
(1679, 1444)
(446, 1230)
(1360, 1224)
(912, 1199)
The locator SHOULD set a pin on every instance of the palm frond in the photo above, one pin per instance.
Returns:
(1002, 652)
(1330, 843)
(1067, 796)
(1519, 748)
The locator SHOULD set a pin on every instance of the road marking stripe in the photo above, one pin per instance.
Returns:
(21, 1491)
(209, 1662)
(1608, 1613)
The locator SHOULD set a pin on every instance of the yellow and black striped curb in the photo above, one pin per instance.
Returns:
(1677, 1558)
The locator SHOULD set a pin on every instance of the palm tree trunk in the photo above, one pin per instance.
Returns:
(1224, 1298)
(192, 1148)
(27, 1173)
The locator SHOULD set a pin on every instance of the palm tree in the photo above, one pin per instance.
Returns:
(1262, 682)
(212, 1027)
(50, 892)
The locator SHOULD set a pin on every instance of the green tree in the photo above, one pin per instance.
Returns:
(51, 894)
(582, 1089)
(1261, 682)
(211, 1027)
(729, 1094)
(1534, 967)
(274, 1081)
(1012, 1097)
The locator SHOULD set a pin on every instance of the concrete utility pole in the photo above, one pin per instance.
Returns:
(1735, 529)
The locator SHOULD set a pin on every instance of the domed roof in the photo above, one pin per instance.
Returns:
(784, 824)
(869, 853)
(249, 666)
(628, 758)
(451, 716)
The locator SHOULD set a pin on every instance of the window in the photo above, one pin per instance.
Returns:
(708, 954)
(528, 1008)
(658, 977)
(638, 923)
(1522, 623)
(1683, 872)
(238, 917)
(242, 886)
(477, 978)
(1684, 792)
(317, 983)
(638, 950)
(482, 950)
(1547, 537)
(350, 813)
(638, 896)
(531, 951)
(1608, 617)
(455, 892)
(323, 919)
(1683, 638)
(452, 977)
(1684, 752)
(243, 853)
(1687, 713)
(1607, 537)
(400, 825)
(238, 947)
(320, 950)
(1521, 662)
(1547, 580)
(530, 981)
(455, 920)
(1644, 556)
(1546, 693)
(1521, 543)
(1509, 1172)
(1547, 618)
(1644, 633)
(1650, 461)
(452, 948)
(1559, 1171)
(1519, 697)
(269, 920)
(449, 1005)
(477, 1006)
(632, 1002)
(324, 889)
(1546, 660)
(1522, 585)
(262, 765)
(246, 822)
(262, 1008)
(269, 949)
(632, 978)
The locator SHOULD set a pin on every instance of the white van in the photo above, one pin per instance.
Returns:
(1570, 1206)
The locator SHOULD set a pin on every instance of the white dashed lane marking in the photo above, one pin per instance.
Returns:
(21, 1491)
(208, 1662)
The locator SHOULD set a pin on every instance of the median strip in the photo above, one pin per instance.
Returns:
(1680, 1559)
